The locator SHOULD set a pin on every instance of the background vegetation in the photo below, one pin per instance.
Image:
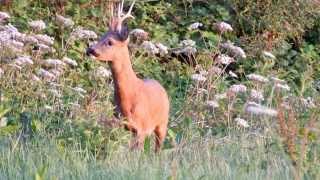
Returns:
(60, 128)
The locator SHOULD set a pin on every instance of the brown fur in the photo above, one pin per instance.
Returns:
(144, 103)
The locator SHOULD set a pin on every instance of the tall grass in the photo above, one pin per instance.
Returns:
(238, 156)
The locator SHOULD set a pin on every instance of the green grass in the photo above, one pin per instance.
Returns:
(234, 157)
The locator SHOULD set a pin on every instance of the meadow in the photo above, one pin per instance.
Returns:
(243, 78)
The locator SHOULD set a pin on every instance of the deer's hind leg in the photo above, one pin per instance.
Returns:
(138, 140)
(160, 133)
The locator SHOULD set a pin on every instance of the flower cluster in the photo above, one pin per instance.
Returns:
(23, 61)
(37, 25)
(186, 47)
(64, 22)
(44, 39)
(102, 72)
(223, 27)
(154, 49)
(195, 26)
(224, 59)
(70, 62)
(140, 34)
(280, 84)
(150, 47)
(81, 34)
(198, 78)
(256, 95)
(53, 63)
(237, 88)
(4, 16)
(257, 78)
(242, 122)
(234, 50)
(257, 109)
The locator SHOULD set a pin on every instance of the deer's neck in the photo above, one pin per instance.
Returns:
(125, 81)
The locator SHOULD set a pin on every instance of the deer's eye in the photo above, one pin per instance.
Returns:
(109, 43)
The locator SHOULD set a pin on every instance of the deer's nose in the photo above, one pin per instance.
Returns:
(91, 51)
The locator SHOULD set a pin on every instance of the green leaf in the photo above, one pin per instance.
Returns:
(171, 134)
(4, 112)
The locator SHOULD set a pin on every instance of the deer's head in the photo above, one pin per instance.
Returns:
(115, 41)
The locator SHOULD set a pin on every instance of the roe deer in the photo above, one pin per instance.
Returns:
(144, 103)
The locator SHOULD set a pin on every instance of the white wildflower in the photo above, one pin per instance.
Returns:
(102, 72)
(224, 59)
(234, 50)
(163, 50)
(203, 72)
(139, 34)
(213, 104)
(53, 63)
(150, 47)
(79, 90)
(57, 72)
(37, 25)
(4, 16)
(48, 108)
(242, 122)
(4, 36)
(256, 95)
(269, 55)
(187, 43)
(81, 34)
(30, 40)
(283, 87)
(63, 21)
(257, 109)
(237, 88)
(277, 80)
(3, 122)
(308, 102)
(12, 45)
(46, 74)
(257, 78)
(215, 70)
(8, 28)
(186, 50)
(42, 49)
(198, 77)
(23, 60)
(195, 26)
(223, 27)
(45, 39)
(232, 74)
(220, 96)
(70, 62)
(24, 38)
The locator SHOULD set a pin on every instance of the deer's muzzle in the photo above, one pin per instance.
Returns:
(92, 52)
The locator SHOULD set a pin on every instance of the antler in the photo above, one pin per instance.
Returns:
(121, 16)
